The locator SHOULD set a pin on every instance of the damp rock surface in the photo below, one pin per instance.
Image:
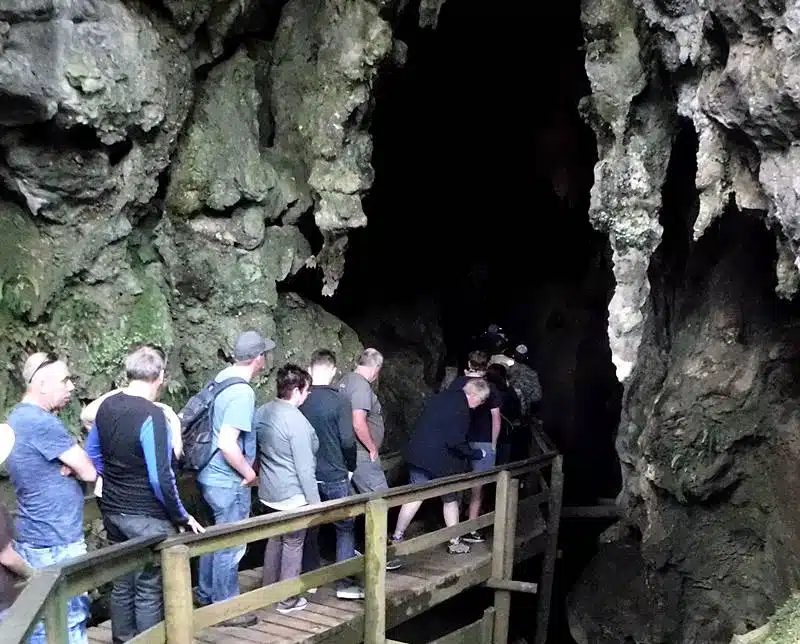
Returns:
(702, 326)
(155, 166)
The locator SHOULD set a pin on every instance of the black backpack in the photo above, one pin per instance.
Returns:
(197, 428)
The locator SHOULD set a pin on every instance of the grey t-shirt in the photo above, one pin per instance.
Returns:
(359, 391)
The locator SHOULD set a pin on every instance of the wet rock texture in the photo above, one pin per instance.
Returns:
(695, 107)
(156, 159)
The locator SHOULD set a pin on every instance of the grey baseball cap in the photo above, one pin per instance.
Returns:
(250, 345)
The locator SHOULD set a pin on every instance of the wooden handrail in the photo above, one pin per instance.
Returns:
(104, 565)
(28, 610)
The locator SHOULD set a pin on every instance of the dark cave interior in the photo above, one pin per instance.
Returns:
(483, 168)
(480, 204)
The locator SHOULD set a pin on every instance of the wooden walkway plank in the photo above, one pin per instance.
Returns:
(426, 579)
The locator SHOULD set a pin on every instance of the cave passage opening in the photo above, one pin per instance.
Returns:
(479, 214)
(483, 167)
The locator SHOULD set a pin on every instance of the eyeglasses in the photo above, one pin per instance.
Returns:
(50, 358)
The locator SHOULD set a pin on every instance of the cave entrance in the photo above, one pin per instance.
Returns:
(479, 214)
(483, 168)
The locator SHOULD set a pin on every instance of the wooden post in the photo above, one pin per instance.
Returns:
(551, 550)
(487, 626)
(177, 590)
(505, 515)
(375, 572)
(56, 625)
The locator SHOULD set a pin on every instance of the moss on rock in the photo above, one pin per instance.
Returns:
(784, 626)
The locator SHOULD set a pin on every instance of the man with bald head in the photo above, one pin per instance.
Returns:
(46, 467)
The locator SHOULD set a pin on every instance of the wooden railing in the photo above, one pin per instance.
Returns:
(45, 596)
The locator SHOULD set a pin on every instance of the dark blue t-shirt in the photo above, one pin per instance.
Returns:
(49, 505)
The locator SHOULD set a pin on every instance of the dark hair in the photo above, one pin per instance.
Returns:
(323, 357)
(477, 361)
(497, 374)
(289, 378)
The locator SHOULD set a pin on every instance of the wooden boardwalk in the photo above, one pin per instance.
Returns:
(427, 578)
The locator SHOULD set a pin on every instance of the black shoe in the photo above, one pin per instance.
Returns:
(243, 621)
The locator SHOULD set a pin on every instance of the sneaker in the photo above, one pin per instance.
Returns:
(457, 547)
(392, 564)
(350, 591)
(291, 605)
(473, 537)
(243, 621)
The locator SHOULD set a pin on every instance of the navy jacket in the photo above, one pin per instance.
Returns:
(439, 443)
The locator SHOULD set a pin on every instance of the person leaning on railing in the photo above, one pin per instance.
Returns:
(439, 448)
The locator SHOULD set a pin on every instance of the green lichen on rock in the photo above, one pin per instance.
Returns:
(147, 322)
(784, 626)
(24, 278)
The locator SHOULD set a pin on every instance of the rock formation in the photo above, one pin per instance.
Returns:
(155, 165)
(695, 108)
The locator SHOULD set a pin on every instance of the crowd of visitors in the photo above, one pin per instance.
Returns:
(319, 439)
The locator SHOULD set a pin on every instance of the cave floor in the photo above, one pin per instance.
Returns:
(425, 580)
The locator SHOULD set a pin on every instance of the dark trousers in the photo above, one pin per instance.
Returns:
(136, 599)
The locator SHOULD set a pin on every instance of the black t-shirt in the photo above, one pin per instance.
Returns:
(136, 445)
(480, 429)
(7, 578)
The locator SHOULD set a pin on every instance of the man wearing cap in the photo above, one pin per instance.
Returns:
(13, 568)
(227, 479)
(46, 467)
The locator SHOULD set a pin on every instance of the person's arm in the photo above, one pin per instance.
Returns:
(347, 438)
(456, 439)
(305, 464)
(79, 463)
(361, 404)
(361, 429)
(12, 561)
(228, 444)
(93, 449)
(156, 442)
(89, 413)
(496, 424)
(237, 417)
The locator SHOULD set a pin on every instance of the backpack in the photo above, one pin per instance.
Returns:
(197, 429)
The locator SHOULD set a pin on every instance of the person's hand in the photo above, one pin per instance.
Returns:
(250, 480)
(193, 525)
(66, 471)
(373, 455)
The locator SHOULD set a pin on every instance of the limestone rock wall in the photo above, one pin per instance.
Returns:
(701, 339)
(155, 161)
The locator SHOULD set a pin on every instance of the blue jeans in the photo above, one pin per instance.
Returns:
(218, 573)
(77, 607)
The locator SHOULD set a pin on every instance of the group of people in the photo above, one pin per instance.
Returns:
(319, 439)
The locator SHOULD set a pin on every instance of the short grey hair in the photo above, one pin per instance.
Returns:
(477, 387)
(145, 363)
(370, 358)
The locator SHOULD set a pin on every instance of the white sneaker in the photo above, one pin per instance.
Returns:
(352, 591)
(291, 605)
